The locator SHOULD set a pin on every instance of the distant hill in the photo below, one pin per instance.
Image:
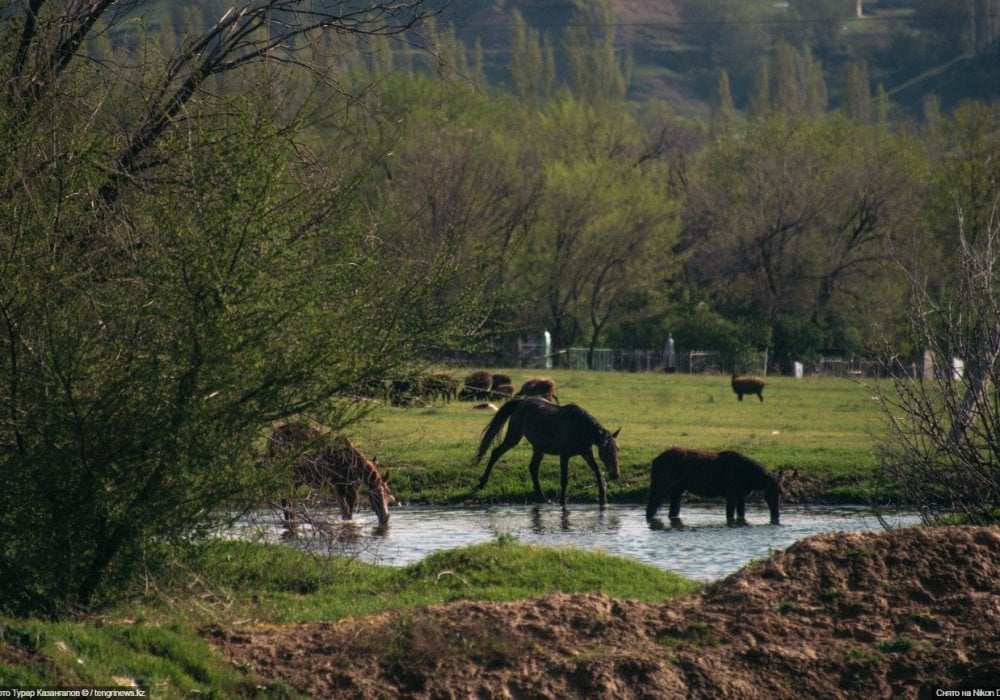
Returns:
(911, 47)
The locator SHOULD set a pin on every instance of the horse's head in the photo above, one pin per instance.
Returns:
(775, 495)
(379, 497)
(385, 481)
(608, 452)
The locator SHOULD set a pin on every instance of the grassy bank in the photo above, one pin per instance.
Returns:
(823, 427)
(158, 642)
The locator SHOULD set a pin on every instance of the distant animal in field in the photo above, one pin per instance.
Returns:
(339, 466)
(502, 388)
(502, 392)
(566, 431)
(476, 387)
(542, 387)
(748, 385)
(501, 379)
(728, 475)
(440, 386)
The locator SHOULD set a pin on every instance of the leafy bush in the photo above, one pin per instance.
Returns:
(941, 449)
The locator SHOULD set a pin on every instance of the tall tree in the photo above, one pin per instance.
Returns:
(967, 177)
(602, 225)
(775, 233)
(723, 112)
(179, 271)
(855, 102)
(941, 442)
(527, 64)
(813, 84)
(594, 70)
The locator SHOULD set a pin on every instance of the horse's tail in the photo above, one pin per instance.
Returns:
(493, 428)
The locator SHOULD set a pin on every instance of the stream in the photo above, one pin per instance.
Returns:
(704, 549)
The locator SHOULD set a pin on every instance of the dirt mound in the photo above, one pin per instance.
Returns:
(899, 614)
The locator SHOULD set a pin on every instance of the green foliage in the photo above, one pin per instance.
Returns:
(596, 235)
(940, 442)
(166, 293)
(775, 236)
(898, 644)
(193, 251)
(169, 659)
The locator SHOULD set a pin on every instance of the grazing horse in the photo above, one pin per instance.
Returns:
(711, 474)
(747, 385)
(340, 465)
(555, 430)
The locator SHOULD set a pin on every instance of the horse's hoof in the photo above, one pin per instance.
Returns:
(742, 522)
(676, 522)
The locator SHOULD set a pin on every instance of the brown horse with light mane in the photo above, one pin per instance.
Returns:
(728, 475)
(542, 387)
(339, 465)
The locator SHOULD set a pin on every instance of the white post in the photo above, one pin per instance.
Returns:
(548, 350)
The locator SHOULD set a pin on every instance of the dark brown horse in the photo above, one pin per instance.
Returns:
(339, 466)
(711, 474)
(554, 430)
(747, 385)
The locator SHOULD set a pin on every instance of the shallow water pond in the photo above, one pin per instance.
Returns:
(704, 549)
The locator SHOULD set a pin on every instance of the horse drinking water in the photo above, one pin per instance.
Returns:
(711, 474)
(552, 430)
(339, 465)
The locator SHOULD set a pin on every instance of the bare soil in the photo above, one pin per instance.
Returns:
(903, 614)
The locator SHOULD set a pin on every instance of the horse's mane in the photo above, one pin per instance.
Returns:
(598, 429)
(358, 459)
(759, 469)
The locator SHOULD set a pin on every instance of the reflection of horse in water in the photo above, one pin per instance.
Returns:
(711, 474)
(554, 430)
(339, 465)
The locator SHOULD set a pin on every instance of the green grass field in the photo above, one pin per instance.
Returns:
(824, 427)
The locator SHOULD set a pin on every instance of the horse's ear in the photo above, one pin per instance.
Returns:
(615, 434)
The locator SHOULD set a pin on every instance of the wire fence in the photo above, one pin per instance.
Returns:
(535, 355)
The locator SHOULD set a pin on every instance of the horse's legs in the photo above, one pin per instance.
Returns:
(536, 462)
(675, 506)
(655, 501)
(730, 508)
(509, 442)
(741, 510)
(347, 498)
(563, 478)
(602, 487)
(289, 514)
